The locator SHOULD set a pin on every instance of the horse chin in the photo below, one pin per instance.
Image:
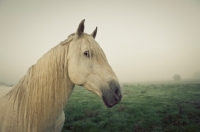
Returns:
(109, 105)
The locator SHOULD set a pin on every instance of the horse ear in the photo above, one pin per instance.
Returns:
(80, 29)
(94, 33)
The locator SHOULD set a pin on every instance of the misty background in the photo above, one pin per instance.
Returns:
(148, 40)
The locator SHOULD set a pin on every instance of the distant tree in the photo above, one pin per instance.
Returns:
(177, 77)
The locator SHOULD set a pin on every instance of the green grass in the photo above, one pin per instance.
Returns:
(144, 108)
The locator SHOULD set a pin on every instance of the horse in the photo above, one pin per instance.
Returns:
(36, 102)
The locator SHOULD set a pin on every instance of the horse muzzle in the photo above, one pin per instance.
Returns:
(112, 95)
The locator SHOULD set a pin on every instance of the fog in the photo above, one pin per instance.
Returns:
(143, 40)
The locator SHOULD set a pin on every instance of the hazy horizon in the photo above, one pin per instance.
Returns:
(143, 40)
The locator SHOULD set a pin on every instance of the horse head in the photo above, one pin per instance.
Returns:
(88, 67)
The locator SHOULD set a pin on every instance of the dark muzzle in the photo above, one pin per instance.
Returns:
(112, 95)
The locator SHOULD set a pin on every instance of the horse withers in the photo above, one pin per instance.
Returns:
(36, 102)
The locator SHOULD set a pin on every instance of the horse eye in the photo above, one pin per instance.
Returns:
(87, 53)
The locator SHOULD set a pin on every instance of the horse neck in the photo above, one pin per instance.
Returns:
(43, 92)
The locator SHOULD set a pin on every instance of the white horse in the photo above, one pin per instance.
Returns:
(36, 103)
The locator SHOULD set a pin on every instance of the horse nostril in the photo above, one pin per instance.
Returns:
(117, 92)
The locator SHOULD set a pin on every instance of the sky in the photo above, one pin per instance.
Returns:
(148, 40)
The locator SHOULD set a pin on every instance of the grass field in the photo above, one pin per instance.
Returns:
(146, 107)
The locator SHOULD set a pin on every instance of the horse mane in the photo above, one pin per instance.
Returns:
(42, 92)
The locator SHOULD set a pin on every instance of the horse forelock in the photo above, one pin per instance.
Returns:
(98, 57)
(95, 49)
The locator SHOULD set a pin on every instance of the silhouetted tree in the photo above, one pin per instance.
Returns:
(177, 77)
